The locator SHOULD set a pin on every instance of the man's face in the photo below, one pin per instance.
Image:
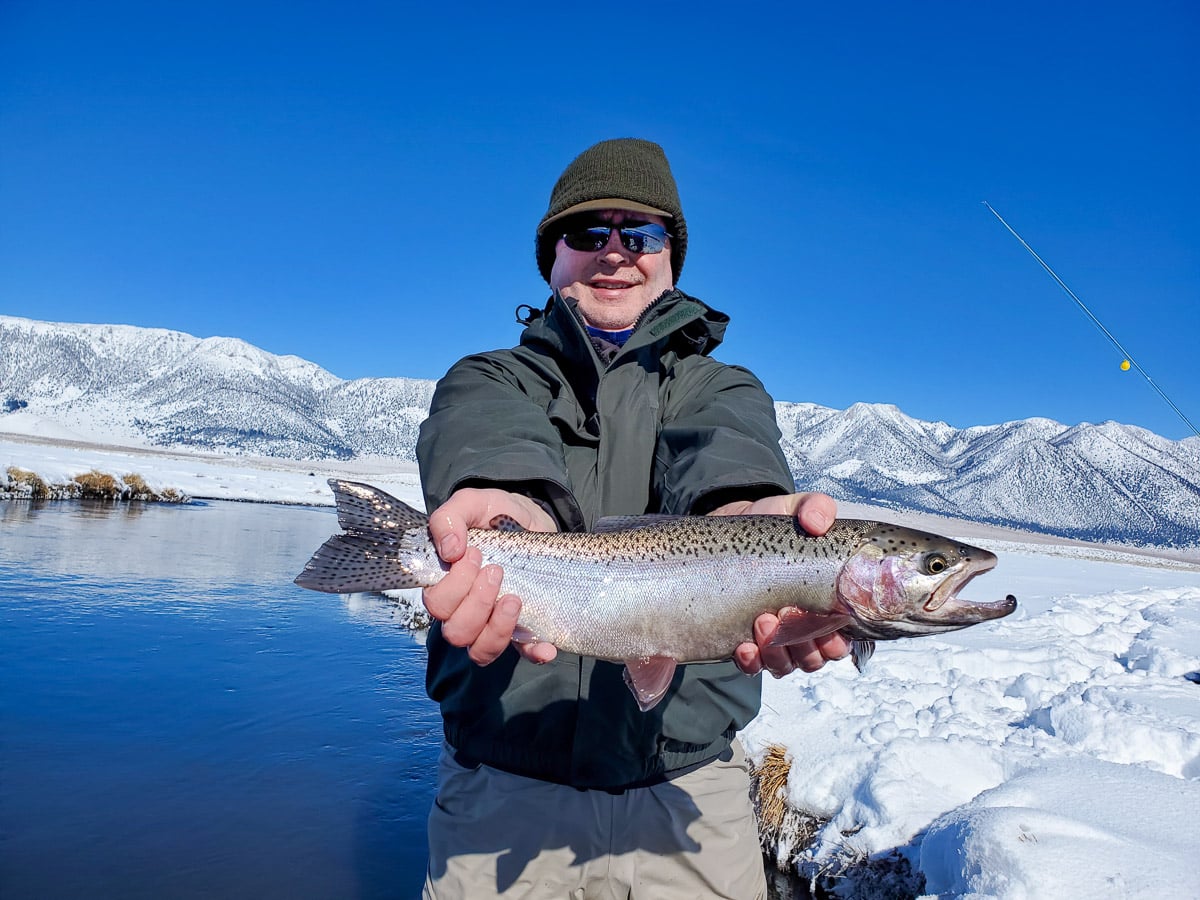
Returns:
(611, 286)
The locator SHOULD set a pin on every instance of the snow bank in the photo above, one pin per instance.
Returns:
(1016, 757)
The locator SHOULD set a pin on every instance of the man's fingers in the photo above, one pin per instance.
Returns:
(448, 527)
(443, 598)
(833, 646)
(467, 622)
(477, 508)
(497, 632)
(776, 660)
(538, 652)
(747, 658)
(816, 513)
(807, 657)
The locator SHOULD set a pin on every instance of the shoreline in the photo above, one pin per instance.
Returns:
(201, 475)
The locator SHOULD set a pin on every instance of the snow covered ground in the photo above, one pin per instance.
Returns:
(1055, 753)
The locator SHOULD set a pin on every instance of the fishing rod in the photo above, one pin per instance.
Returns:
(1108, 334)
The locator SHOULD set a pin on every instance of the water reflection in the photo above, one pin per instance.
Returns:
(199, 542)
(177, 719)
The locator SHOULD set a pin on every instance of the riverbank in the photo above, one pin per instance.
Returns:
(172, 474)
(204, 476)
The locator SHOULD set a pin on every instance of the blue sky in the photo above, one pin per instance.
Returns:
(358, 184)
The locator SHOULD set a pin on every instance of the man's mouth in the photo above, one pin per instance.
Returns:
(608, 284)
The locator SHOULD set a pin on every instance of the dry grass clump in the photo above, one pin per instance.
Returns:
(768, 788)
(22, 481)
(21, 484)
(786, 836)
(137, 489)
(784, 833)
(95, 485)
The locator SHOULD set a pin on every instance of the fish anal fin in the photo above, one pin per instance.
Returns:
(860, 652)
(648, 678)
(506, 523)
(798, 626)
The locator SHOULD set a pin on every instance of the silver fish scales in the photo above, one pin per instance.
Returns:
(655, 591)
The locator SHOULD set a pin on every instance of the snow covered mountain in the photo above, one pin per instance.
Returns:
(1107, 482)
(151, 387)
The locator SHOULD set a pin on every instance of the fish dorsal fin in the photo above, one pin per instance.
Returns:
(506, 522)
(648, 678)
(629, 523)
(860, 652)
(800, 626)
(363, 509)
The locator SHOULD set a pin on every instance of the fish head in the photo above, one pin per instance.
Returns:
(903, 583)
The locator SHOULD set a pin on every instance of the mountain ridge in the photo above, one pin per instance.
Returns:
(158, 388)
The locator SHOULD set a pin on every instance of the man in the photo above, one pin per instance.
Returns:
(553, 783)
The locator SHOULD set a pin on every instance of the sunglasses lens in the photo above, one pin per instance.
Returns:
(648, 238)
(588, 240)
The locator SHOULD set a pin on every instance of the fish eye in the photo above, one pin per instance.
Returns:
(936, 564)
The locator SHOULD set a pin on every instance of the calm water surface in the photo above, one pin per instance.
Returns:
(177, 719)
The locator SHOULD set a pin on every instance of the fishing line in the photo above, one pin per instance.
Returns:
(1108, 334)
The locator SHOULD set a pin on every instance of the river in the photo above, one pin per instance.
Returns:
(177, 719)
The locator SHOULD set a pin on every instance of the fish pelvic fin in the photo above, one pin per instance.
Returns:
(363, 509)
(648, 678)
(525, 635)
(861, 652)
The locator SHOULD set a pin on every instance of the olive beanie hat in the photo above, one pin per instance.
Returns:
(625, 173)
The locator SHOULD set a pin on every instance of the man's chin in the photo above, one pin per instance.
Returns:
(611, 313)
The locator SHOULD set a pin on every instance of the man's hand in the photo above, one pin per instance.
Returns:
(467, 601)
(815, 513)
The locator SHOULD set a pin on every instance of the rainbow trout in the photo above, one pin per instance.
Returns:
(655, 591)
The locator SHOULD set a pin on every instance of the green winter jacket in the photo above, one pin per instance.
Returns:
(661, 429)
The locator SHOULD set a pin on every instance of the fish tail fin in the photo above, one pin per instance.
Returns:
(347, 563)
(386, 545)
(363, 509)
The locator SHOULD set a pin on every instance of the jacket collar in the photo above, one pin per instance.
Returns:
(688, 324)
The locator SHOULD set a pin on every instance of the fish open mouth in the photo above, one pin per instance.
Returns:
(947, 608)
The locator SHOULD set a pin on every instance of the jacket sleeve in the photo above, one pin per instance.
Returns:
(485, 430)
(719, 442)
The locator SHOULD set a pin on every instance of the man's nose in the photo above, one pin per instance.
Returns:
(614, 245)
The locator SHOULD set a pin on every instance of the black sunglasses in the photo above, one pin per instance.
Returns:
(645, 237)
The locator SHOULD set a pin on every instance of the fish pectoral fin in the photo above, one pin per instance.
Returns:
(648, 678)
(860, 652)
(797, 626)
